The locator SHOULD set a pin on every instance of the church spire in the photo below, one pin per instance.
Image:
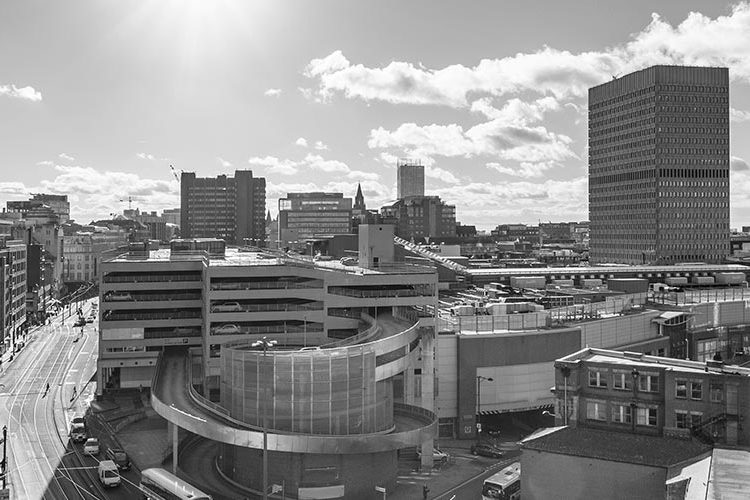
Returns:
(359, 199)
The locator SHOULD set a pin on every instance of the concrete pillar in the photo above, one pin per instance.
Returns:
(428, 386)
(172, 432)
(409, 386)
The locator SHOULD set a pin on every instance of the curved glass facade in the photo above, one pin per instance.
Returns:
(325, 391)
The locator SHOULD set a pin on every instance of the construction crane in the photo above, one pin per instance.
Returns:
(174, 172)
(130, 200)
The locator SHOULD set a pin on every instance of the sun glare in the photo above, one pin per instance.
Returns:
(196, 31)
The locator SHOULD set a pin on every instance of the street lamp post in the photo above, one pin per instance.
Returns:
(480, 379)
(265, 344)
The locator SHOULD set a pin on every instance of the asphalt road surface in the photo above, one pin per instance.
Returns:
(42, 461)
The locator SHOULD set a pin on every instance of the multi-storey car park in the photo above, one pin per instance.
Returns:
(332, 401)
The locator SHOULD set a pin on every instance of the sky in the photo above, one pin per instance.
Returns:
(99, 97)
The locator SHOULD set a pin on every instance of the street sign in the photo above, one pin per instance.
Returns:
(379, 489)
(479, 426)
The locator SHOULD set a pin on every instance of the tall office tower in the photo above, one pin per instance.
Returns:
(659, 166)
(230, 208)
(410, 179)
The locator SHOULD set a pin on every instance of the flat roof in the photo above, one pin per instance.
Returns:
(234, 256)
(538, 271)
(730, 474)
(654, 451)
(625, 358)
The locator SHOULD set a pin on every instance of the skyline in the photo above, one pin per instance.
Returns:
(99, 99)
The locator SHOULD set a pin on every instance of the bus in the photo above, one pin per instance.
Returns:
(158, 484)
(505, 485)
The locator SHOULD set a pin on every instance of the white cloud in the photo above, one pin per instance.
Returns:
(320, 146)
(441, 174)
(361, 175)
(274, 165)
(145, 156)
(525, 170)
(66, 157)
(272, 93)
(26, 93)
(330, 166)
(488, 204)
(224, 163)
(738, 164)
(13, 188)
(738, 115)
(494, 138)
(94, 193)
(698, 40)
(301, 142)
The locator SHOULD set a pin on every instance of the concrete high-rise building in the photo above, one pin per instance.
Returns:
(230, 208)
(409, 179)
(659, 166)
(304, 216)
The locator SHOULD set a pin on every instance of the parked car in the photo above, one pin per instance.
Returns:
(78, 419)
(486, 450)
(117, 296)
(227, 307)
(119, 457)
(108, 475)
(91, 447)
(226, 329)
(437, 454)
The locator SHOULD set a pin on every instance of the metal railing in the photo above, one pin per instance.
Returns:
(149, 278)
(353, 292)
(277, 307)
(117, 316)
(152, 297)
(550, 318)
(265, 285)
(430, 255)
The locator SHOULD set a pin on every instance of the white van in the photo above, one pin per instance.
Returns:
(108, 474)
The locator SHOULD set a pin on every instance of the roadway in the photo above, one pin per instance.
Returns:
(42, 461)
